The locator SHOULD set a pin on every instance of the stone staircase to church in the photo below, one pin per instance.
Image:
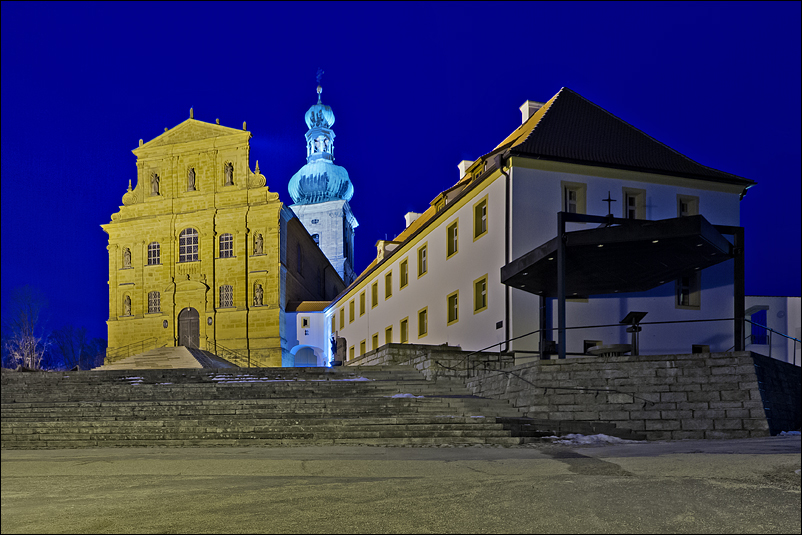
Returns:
(379, 405)
(166, 358)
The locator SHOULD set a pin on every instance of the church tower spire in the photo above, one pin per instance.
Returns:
(321, 191)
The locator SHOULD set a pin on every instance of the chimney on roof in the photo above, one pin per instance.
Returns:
(409, 217)
(463, 167)
(529, 108)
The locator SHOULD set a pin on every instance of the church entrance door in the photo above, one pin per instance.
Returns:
(188, 328)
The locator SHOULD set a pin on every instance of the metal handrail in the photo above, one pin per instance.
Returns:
(126, 351)
(236, 357)
(772, 331)
(606, 325)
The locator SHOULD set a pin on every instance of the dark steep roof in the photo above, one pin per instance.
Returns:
(571, 128)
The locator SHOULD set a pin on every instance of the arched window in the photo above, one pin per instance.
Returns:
(154, 302)
(188, 245)
(226, 246)
(316, 239)
(226, 296)
(154, 254)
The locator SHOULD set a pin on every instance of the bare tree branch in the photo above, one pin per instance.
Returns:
(24, 337)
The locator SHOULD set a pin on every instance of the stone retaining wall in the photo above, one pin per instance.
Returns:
(781, 389)
(435, 361)
(719, 395)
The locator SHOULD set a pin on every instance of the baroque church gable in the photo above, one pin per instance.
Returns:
(191, 130)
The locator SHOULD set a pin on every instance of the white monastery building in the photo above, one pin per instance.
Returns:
(482, 266)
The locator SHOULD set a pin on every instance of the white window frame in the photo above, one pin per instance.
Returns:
(227, 245)
(154, 253)
(188, 245)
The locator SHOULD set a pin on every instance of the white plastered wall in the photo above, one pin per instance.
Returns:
(536, 199)
(474, 259)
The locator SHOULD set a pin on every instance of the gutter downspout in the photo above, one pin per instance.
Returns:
(507, 195)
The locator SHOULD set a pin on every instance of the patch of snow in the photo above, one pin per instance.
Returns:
(789, 433)
(404, 396)
(254, 379)
(577, 438)
(477, 416)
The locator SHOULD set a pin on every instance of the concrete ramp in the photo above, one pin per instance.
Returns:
(162, 358)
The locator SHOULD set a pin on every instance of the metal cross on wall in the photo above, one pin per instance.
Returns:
(609, 202)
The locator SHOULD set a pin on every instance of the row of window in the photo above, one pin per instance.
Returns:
(226, 298)
(452, 307)
(480, 230)
(634, 202)
(188, 248)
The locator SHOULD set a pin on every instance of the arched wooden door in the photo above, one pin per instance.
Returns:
(188, 328)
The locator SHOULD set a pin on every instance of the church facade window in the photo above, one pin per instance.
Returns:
(423, 266)
(634, 203)
(154, 254)
(404, 276)
(452, 302)
(480, 294)
(316, 239)
(388, 285)
(480, 218)
(452, 239)
(404, 330)
(423, 322)
(188, 245)
(687, 205)
(574, 196)
(226, 246)
(154, 302)
(226, 296)
(388, 335)
(688, 291)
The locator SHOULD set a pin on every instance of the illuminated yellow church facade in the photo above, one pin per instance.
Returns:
(203, 254)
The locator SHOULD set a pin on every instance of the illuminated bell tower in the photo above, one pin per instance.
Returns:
(321, 191)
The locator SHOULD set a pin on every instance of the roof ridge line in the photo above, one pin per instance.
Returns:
(548, 106)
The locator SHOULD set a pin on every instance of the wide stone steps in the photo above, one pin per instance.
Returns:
(279, 406)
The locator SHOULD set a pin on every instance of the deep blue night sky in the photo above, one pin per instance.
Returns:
(415, 89)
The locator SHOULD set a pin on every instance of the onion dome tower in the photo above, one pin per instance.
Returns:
(321, 191)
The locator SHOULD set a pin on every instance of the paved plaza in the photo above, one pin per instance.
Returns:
(708, 486)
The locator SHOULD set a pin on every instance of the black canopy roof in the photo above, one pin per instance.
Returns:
(631, 257)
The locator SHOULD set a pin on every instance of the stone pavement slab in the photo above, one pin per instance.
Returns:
(727, 486)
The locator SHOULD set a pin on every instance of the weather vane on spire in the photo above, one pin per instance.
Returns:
(319, 87)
